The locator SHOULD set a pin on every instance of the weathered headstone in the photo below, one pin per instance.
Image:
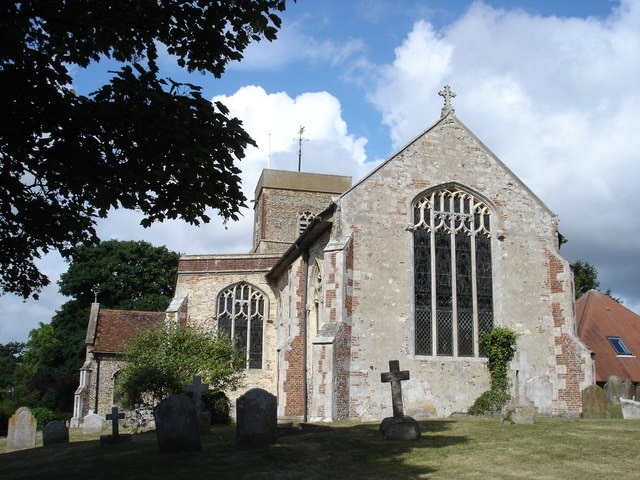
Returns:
(400, 426)
(116, 436)
(197, 388)
(257, 417)
(520, 411)
(594, 402)
(628, 389)
(92, 423)
(614, 390)
(22, 430)
(637, 393)
(55, 432)
(177, 425)
(630, 409)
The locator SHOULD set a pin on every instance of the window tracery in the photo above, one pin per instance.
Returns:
(241, 315)
(453, 276)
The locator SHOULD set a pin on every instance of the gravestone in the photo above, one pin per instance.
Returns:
(400, 426)
(197, 388)
(614, 390)
(55, 432)
(116, 436)
(630, 409)
(22, 430)
(637, 393)
(177, 425)
(520, 411)
(92, 423)
(257, 417)
(594, 402)
(628, 389)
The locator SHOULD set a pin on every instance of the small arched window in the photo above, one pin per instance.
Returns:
(241, 316)
(453, 275)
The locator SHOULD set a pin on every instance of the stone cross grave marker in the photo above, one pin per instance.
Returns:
(114, 416)
(395, 376)
(196, 389)
(400, 426)
(115, 436)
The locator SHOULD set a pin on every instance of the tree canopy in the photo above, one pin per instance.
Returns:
(161, 361)
(140, 141)
(129, 275)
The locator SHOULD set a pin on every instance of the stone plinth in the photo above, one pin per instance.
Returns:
(400, 428)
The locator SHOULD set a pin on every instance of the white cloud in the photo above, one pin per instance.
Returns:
(557, 99)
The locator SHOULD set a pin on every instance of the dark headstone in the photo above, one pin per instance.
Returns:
(22, 430)
(177, 425)
(400, 426)
(55, 432)
(594, 402)
(257, 417)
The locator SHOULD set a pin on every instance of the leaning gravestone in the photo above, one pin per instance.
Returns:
(55, 432)
(257, 417)
(400, 426)
(22, 430)
(177, 425)
(594, 402)
(92, 423)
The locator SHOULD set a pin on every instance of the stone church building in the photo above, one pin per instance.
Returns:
(412, 263)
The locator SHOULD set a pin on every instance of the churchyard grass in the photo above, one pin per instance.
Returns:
(451, 448)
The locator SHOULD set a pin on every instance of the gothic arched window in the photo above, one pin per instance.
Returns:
(241, 315)
(453, 279)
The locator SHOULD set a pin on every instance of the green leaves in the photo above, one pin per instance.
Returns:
(161, 361)
(499, 345)
(139, 142)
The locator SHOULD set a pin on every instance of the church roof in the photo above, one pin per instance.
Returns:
(113, 328)
(612, 332)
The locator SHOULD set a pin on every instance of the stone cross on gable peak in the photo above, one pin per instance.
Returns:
(447, 94)
(395, 376)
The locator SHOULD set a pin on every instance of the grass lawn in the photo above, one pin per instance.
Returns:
(451, 449)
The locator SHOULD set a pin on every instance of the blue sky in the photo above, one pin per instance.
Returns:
(551, 87)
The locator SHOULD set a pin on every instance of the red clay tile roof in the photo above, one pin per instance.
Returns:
(599, 316)
(115, 327)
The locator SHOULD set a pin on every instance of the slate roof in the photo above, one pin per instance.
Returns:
(115, 327)
(599, 316)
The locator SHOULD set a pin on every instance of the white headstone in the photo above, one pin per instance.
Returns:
(22, 430)
(92, 423)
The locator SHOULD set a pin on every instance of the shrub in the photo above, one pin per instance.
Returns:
(499, 345)
(218, 404)
(43, 416)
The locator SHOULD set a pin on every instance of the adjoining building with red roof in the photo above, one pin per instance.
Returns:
(612, 332)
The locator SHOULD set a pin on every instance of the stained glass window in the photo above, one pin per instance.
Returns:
(241, 314)
(453, 276)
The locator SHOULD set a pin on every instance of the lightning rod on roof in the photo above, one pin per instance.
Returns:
(300, 132)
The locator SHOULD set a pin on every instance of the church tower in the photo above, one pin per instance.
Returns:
(285, 202)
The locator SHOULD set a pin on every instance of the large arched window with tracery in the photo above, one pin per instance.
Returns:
(453, 275)
(241, 316)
